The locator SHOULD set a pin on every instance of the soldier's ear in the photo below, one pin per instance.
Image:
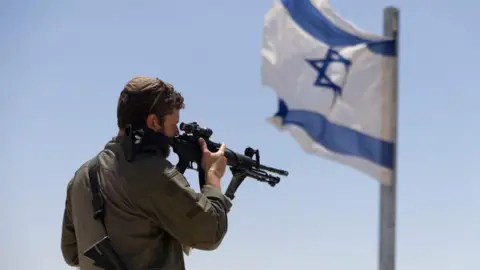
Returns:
(153, 122)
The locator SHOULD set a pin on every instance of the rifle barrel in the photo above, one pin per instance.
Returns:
(274, 170)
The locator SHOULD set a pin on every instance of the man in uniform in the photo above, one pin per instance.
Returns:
(151, 212)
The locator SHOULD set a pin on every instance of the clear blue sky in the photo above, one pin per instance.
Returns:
(63, 64)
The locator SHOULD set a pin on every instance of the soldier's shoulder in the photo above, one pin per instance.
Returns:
(151, 175)
(78, 178)
(151, 163)
(151, 171)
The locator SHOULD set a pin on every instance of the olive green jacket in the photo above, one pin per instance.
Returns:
(151, 212)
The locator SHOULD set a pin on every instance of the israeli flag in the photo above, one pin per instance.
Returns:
(334, 85)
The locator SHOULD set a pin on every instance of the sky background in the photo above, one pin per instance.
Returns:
(64, 63)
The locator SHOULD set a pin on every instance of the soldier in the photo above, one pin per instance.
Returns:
(151, 212)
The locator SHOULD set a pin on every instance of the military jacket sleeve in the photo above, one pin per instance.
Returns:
(195, 219)
(68, 239)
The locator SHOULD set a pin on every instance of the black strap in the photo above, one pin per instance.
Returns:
(98, 202)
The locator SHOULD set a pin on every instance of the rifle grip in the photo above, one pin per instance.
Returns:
(181, 166)
(201, 177)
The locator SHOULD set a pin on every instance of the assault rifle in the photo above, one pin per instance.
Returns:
(189, 152)
(187, 148)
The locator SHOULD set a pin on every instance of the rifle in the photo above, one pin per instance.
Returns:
(104, 256)
(187, 147)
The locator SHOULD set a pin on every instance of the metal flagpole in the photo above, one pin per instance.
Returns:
(388, 193)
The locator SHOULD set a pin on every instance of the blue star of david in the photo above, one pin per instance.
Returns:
(321, 66)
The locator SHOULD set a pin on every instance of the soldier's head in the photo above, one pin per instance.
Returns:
(150, 102)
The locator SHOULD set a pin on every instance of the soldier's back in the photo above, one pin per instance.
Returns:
(133, 227)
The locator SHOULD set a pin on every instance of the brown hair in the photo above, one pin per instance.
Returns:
(143, 96)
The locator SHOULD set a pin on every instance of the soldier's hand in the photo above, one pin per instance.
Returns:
(215, 163)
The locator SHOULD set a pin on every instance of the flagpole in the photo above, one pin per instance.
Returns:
(388, 193)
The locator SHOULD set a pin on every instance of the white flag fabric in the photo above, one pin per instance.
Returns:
(333, 82)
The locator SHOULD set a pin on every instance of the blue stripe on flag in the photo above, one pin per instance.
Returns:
(310, 19)
(337, 138)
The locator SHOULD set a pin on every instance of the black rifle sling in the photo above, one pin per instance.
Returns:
(97, 201)
(104, 246)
